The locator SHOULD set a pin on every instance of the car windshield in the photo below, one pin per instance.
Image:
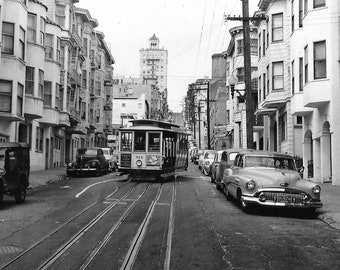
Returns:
(272, 162)
(210, 155)
(2, 158)
(90, 152)
(232, 156)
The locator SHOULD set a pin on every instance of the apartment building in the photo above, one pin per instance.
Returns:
(236, 128)
(298, 73)
(44, 93)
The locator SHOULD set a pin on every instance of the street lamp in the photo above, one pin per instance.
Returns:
(232, 80)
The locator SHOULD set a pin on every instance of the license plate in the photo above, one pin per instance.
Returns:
(284, 198)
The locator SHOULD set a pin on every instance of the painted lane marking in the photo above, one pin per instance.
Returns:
(85, 189)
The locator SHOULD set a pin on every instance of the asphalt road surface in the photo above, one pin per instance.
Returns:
(109, 222)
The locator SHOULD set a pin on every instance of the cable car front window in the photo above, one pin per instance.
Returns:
(126, 141)
(154, 142)
(140, 141)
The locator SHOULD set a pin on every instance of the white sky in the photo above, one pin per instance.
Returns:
(191, 31)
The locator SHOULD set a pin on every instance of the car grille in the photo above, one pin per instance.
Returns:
(284, 197)
(125, 160)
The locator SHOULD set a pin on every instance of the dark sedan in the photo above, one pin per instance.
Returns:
(90, 160)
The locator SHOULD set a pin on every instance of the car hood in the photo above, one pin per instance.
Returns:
(269, 177)
(85, 158)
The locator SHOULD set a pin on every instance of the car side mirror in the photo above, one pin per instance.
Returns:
(2, 172)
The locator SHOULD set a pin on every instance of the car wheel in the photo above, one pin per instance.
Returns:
(227, 193)
(69, 174)
(212, 180)
(20, 194)
(97, 173)
(218, 187)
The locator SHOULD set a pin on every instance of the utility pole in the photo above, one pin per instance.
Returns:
(208, 114)
(247, 70)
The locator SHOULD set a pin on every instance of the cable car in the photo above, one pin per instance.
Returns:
(152, 150)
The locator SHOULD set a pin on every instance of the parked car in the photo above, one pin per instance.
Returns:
(193, 154)
(269, 179)
(223, 159)
(90, 160)
(197, 155)
(14, 170)
(110, 158)
(208, 158)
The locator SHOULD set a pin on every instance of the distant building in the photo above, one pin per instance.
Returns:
(154, 63)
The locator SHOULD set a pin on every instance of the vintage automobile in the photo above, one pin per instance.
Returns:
(197, 155)
(208, 158)
(14, 170)
(269, 179)
(89, 160)
(111, 159)
(224, 159)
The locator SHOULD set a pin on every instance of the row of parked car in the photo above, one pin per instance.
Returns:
(262, 178)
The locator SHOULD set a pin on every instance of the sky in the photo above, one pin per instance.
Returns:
(190, 30)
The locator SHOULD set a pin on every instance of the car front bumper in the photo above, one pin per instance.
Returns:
(79, 170)
(282, 198)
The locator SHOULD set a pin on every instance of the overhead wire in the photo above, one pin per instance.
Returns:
(200, 40)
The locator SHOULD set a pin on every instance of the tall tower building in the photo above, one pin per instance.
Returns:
(154, 63)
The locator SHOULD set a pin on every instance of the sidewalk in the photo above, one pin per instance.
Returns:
(330, 195)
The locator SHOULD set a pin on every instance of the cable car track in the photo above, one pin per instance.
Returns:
(69, 221)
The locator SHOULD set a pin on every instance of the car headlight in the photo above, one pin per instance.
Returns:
(139, 163)
(207, 163)
(93, 164)
(316, 189)
(250, 184)
(70, 165)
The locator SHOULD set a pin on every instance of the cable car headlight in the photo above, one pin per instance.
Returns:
(139, 163)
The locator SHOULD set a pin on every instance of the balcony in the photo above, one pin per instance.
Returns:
(33, 107)
(258, 123)
(50, 117)
(74, 77)
(77, 129)
(74, 116)
(274, 100)
(10, 117)
(64, 119)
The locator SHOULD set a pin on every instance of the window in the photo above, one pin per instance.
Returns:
(300, 13)
(306, 63)
(32, 27)
(49, 47)
(83, 110)
(140, 139)
(84, 79)
(42, 31)
(319, 3)
(305, 7)
(260, 88)
(85, 46)
(62, 57)
(300, 74)
(260, 48)
(268, 79)
(264, 85)
(22, 43)
(123, 105)
(293, 77)
(126, 141)
(240, 75)
(277, 27)
(292, 16)
(57, 93)
(58, 50)
(61, 97)
(283, 126)
(320, 60)
(29, 81)
(240, 48)
(5, 96)
(41, 84)
(277, 76)
(7, 38)
(154, 142)
(60, 15)
(299, 120)
(20, 99)
(264, 42)
(47, 93)
(39, 139)
(253, 46)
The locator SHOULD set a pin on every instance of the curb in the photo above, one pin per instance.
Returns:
(329, 221)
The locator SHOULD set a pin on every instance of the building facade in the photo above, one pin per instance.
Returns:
(44, 94)
(299, 73)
